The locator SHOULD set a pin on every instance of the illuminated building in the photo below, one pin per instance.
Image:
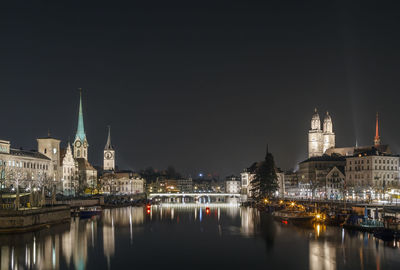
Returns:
(69, 171)
(320, 140)
(28, 169)
(233, 185)
(313, 172)
(246, 177)
(371, 172)
(109, 155)
(87, 173)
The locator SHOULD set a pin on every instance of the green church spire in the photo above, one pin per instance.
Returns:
(80, 132)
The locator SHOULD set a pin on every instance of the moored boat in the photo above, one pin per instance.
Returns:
(295, 217)
(87, 212)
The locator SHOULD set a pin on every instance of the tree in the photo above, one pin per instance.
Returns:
(265, 180)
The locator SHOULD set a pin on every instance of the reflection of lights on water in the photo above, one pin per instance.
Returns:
(200, 215)
(54, 257)
(130, 225)
(219, 213)
(34, 250)
(342, 236)
(318, 229)
(172, 213)
(195, 214)
(12, 258)
(191, 205)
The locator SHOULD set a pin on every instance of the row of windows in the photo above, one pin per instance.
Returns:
(22, 164)
(376, 177)
(380, 167)
(335, 185)
(68, 170)
(380, 161)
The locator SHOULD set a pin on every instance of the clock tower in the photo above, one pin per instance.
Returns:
(109, 154)
(81, 145)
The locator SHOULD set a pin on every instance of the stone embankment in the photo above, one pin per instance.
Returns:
(15, 221)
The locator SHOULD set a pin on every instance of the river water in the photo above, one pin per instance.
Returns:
(188, 237)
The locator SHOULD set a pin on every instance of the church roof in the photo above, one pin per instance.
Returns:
(83, 164)
(324, 158)
(80, 132)
(26, 153)
(108, 144)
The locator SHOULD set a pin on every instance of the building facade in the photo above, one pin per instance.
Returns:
(123, 182)
(28, 170)
(320, 140)
(69, 172)
(233, 185)
(370, 173)
(312, 174)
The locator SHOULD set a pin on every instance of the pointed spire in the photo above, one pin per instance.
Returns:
(80, 132)
(377, 140)
(108, 144)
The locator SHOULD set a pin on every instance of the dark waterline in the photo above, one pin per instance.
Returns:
(190, 238)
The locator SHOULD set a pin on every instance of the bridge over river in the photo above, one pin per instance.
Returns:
(195, 197)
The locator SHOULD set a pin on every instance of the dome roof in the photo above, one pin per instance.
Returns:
(315, 121)
(315, 115)
(327, 117)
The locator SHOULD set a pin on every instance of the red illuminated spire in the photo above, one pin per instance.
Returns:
(377, 140)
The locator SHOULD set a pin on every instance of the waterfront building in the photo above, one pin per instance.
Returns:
(313, 172)
(109, 154)
(185, 185)
(335, 183)
(69, 172)
(370, 173)
(122, 182)
(291, 182)
(26, 169)
(246, 177)
(202, 185)
(281, 182)
(320, 140)
(233, 185)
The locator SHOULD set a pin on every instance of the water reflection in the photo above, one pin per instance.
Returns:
(111, 241)
(42, 250)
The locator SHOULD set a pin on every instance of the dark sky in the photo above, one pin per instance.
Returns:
(200, 85)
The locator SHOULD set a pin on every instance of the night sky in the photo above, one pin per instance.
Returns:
(200, 85)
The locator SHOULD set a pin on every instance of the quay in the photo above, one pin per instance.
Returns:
(30, 219)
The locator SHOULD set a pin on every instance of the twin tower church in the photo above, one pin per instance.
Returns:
(320, 140)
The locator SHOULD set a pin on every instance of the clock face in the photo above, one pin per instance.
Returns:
(108, 155)
(78, 144)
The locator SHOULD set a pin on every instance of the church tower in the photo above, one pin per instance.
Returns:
(315, 137)
(328, 135)
(109, 154)
(377, 139)
(80, 144)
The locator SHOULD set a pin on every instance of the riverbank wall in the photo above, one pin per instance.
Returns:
(15, 221)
